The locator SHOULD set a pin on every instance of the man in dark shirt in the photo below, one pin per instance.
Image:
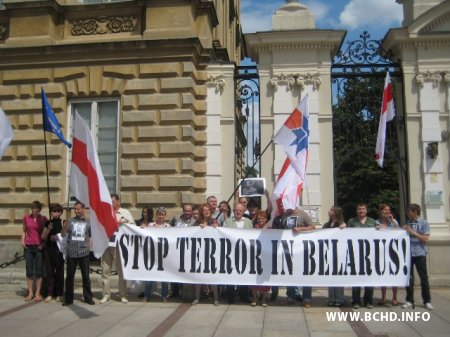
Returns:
(78, 232)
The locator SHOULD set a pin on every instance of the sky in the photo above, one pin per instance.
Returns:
(355, 16)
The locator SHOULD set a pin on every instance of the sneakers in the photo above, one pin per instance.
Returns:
(124, 300)
(429, 306)
(369, 306)
(355, 306)
(105, 299)
(306, 305)
(195, 302)
(408, 305)
(59, 299)
(216, 303)
(48, 299)
(253, 304)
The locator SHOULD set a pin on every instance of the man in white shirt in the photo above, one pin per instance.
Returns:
(111, 255)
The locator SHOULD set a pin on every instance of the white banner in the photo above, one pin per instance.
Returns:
(324, 257)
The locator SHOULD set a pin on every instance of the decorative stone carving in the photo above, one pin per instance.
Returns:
(3, 30)
(308, 78)
(217, 82)
(104, 25)
(429, 76)
(299, 80)
(288, 80)
(447, 78)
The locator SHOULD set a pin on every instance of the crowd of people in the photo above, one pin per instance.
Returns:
(40, 237)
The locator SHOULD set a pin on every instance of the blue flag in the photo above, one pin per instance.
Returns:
(51, 123)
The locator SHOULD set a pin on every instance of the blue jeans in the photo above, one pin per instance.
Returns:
(33, 261)
(149, 289)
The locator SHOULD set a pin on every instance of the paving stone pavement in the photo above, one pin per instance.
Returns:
(178, 318)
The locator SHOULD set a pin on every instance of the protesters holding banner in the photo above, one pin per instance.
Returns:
(111, 255)
(212, 203)
(195, 214)
(362, 220)
(336, 220)
(32, 243)
(78, 232)
(53, 258)
(146, 217)
(264, 290)
(185, 219)
(225, 209)
(419, 231)
(144, 221)
(158, 223)
(302, 223)
(205, 220)
(239, 221)
(387, 221)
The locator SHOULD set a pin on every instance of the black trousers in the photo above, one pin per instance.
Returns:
(72, 263)
(368, 295)
(421, 266)
(54, 266)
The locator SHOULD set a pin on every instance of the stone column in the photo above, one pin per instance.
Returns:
(220, 131)
(432, 169)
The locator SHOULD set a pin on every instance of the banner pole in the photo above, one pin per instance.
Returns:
(46, 170)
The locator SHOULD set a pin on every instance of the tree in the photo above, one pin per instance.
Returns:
(355, 124)
(251, 172)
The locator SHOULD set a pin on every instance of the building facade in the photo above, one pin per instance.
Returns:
(138, 73)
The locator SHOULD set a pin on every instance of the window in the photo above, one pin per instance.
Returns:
(102, 116)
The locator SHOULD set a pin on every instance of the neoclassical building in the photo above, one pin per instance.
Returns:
(145, 74)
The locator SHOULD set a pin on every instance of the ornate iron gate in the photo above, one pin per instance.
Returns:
(358, 73)
(247, 117)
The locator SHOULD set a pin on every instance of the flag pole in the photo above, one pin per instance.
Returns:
(246, 175)
(46, 170)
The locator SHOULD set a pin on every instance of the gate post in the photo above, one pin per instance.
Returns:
(294, 59)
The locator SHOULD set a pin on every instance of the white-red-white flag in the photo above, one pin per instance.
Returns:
(287, 190)
(387, 114)
(89, 186)
(6, 132)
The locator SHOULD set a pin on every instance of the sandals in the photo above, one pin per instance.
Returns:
(394, 303)
(28, 298)
(381, 303)
(38, 298)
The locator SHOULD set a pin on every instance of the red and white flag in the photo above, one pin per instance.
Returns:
(287, 190)
(387, 114)
(89, 186)
(294, 137)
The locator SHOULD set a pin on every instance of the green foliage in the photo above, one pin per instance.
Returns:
(251, 172)
(355, 125)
